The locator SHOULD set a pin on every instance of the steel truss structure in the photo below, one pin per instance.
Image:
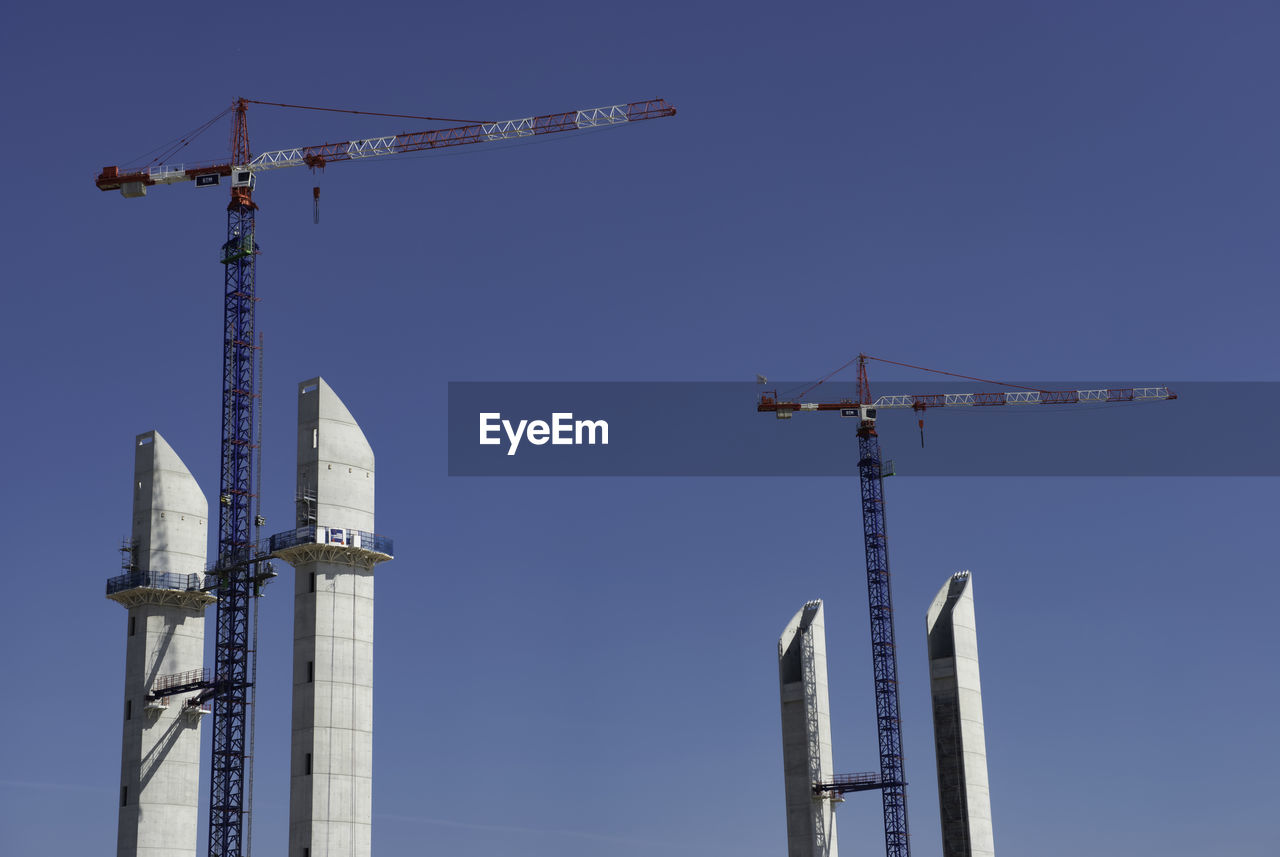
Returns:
(134, 183)
(236, 562)
(920, 402)
(884, 657)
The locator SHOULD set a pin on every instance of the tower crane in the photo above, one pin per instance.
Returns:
(884, 658)
(240, 568)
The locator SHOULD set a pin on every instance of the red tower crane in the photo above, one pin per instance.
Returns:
(240, 568)
(243, 167)
(884, 657)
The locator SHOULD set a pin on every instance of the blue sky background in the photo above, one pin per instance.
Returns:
(578, 667)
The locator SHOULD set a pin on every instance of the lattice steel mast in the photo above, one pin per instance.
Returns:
(236, 566)
(884, 652)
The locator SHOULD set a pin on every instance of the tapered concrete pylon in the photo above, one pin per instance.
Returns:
(959, 738)
(162, 589)
(806, 734)
(333, 550)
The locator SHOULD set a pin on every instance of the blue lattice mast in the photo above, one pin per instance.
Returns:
(884, 651)
(235, 567)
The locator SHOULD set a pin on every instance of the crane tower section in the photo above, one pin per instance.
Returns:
(235, 563)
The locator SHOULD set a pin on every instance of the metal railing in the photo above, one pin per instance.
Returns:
(340, 536)
(166, 683)
(845, 783)
(153, 580)
(163, 171)
(259, 551)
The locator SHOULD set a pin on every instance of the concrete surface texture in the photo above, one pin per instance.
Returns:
(160, 752)
(335, 462)
(806, 733)
(331, 776)
(959, 738)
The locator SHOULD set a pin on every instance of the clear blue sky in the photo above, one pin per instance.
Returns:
(577, 667)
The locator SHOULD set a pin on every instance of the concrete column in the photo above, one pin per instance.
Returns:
(806, 734)
(161, 588)
(333, 552)
(960, 743)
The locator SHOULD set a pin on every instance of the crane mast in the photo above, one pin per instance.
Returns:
(884, 653)
(884, 657)
(236, 563)
(884, 646)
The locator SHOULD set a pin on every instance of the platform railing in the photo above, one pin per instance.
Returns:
(332, 536)
(153, 580)
(166, 683)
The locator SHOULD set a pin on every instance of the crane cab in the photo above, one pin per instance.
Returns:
(864, 413)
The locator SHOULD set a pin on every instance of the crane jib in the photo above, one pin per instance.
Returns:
(919, 402)
(134, 183)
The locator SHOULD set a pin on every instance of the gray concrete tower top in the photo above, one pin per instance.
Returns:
(170, 512)
(335, 462)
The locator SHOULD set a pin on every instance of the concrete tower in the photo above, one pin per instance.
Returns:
(333, 551)
(806, 734)
(161, 588)
(958, 736)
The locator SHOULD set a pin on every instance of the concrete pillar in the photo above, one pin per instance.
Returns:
(161, 588)
(960, 743)
(333, 550)
(806, 734)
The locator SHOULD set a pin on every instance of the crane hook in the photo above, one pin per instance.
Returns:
(922, 433)
(315, 198)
